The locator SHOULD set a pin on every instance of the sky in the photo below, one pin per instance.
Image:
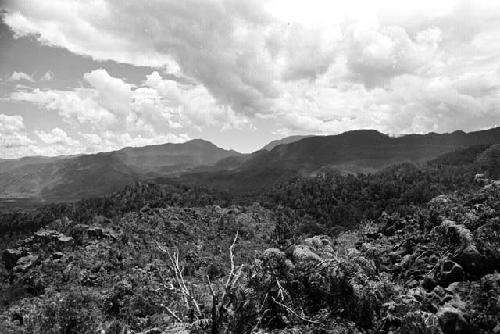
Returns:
(97, 75)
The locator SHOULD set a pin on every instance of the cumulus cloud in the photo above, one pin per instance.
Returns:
(56, 136)
(377, 54)
(18, 76)
(116, 113)
(14, 139)
(47, 76)
(394, 66)
(220, 43)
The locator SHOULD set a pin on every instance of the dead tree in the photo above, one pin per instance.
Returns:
(221, 301)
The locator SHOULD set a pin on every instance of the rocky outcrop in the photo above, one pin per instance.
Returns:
(11, 256)
(452, 321)
(83, 233)
(302, 253)
(47, 236)
(25, 263)
(449, 272)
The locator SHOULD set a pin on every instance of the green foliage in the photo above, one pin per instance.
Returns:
(74, 312)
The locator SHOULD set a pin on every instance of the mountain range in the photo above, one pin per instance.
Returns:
(199, 161)
(73, 177)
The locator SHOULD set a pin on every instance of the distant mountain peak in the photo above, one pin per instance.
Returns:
(283, 141)
(364, 133)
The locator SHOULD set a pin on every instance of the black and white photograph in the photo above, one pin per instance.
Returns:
(249, 167)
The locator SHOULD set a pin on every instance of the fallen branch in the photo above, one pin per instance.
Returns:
(174, 265)
(172, 313)
(230, 281)
(295, 313)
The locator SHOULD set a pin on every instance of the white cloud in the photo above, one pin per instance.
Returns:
(79, 106)
(116, 113)
(18, 76)
(48, 76)
(314, 66)
(56, 136)
(377, 54)
(220, 43)
(13, 137)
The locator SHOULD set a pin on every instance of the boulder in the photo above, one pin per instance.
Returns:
(65, 240)
(452, 320)
(82, 232)
(450, 272)
(10, 257)
(481, 179)
(471, 260)
(428, 283)
(302, 253)
(57, 255)
(46, 236)
(25, 263)
(455, 234)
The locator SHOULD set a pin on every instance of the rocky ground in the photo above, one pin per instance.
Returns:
(435, 271)
(432, 271)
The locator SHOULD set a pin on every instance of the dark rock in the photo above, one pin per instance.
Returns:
(452, 320)
(471, 260)
(429, 283)
(373, 236)
(455, 234)
(450, 272)
(58, 255)
(82, 232)
(10, 257)
(17, 317)
(95, 232)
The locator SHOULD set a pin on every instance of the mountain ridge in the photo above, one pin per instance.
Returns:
(68, 178)
(358, 151)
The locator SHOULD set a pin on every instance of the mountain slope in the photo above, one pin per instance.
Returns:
(68, 178)
(172, 158)
(362, 151)
(282, 141)
(366, 150)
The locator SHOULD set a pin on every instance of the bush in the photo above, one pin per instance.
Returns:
(74, 312)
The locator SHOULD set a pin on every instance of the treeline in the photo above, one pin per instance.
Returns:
(331, 202)
(18, 223)
(327, 203)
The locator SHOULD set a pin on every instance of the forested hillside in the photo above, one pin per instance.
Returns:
(411, 249)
